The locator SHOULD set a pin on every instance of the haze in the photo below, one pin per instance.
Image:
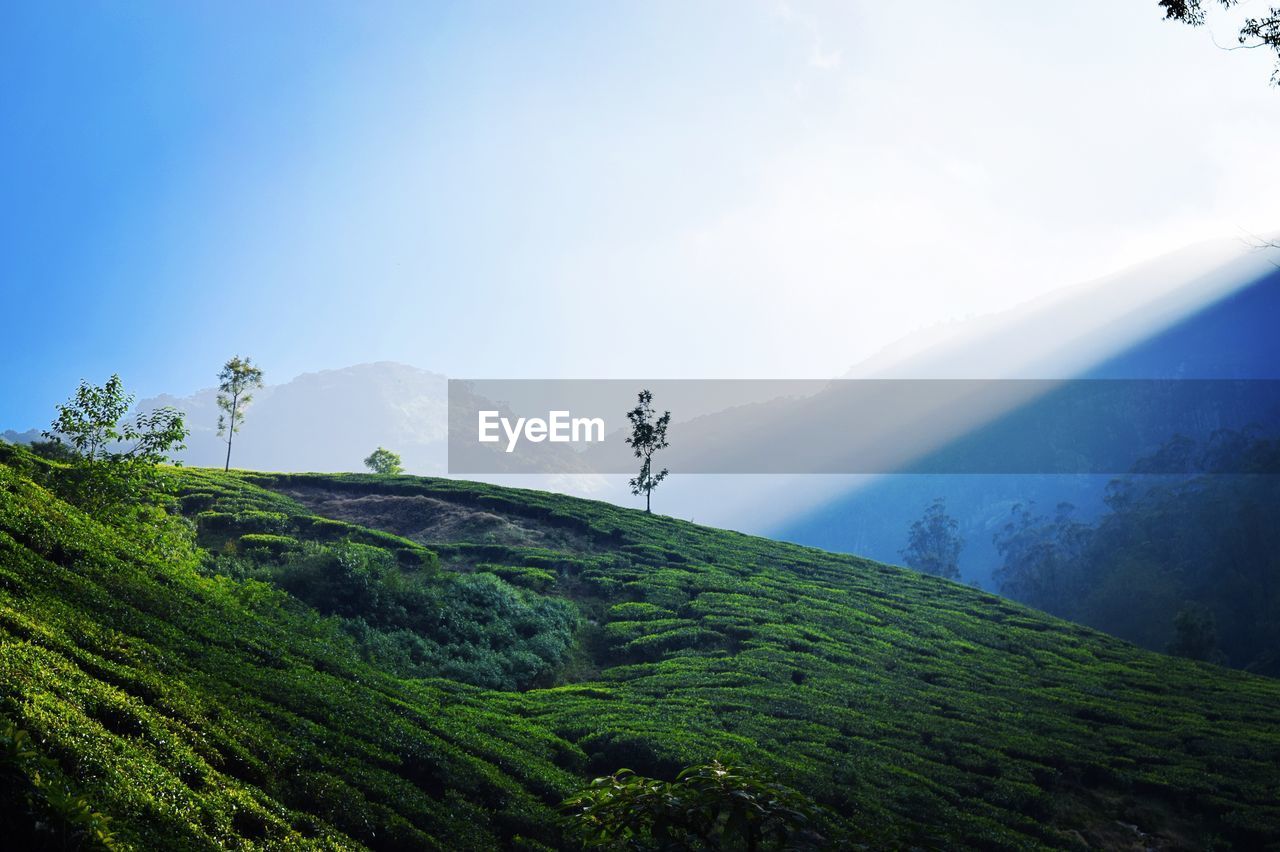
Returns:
(654, 190)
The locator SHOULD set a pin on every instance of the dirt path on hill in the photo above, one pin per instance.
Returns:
(429, 520)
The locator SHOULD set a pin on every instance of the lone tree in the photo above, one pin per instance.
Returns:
(1260, 32)
(647, 437)
(236, 383)
(384, 462)
(111, 459)
(934, 543)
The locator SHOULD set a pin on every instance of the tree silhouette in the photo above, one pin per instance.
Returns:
(934, 543)
(1262, 32)
(647, 437)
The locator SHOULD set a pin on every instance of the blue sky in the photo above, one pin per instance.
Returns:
(595, 190)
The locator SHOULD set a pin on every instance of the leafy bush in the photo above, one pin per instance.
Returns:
(112, 462)
(273, 546)
(706, 807)
(536, 579)
(1177, 562)
(38, 808)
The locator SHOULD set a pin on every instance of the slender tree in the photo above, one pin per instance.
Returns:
(648, 435)
(236, 383)
(384, 462)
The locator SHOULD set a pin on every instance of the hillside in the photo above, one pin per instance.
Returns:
(454, 659)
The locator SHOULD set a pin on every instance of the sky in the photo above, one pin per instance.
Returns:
(660, 189)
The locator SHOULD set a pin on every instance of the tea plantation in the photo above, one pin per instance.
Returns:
(344, 661)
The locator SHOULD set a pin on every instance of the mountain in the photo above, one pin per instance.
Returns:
(347, 661)
(328, 420)
(26, 437)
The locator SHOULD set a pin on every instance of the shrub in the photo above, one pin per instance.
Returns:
(37, 805)
(710, 806)
(272, 546)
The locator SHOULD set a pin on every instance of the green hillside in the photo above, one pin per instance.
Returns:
(403, 663)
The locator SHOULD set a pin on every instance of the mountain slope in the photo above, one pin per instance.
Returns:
(1231, 338)
(199, 708)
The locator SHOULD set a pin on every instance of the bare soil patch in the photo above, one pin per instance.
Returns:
(431, 520)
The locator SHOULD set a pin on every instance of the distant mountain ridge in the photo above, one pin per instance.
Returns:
(329, 419)
(21, 437)
(325, 420)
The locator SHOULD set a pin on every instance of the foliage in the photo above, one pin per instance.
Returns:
(110, 460)
(647, 437)
(92, 422)
(203, 712)
(712, 806)
(1196, 635)
(196, 703)
(383, 461)
(1042, 556)
(53, 450)
(922, 713)
(934, 543)
(1255, 32)
(405, 615)
(38, 808)
(236, 382)
(1188, 562)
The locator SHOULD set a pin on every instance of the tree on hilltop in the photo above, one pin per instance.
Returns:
(383, 461)
(648, 436)
(236, 383)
